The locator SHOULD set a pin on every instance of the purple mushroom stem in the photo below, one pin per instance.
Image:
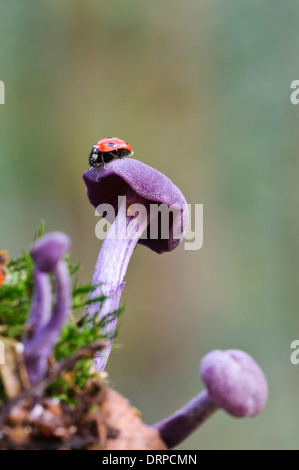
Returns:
(139, 187)
(109, 273)
(41, 304)
(234, 382)
(183, 422)
(39, 341)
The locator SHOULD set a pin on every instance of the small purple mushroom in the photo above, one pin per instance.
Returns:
(42, 329)
(234, 381)
(134, 191)
(48, 250)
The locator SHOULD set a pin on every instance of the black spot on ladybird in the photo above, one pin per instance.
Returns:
(111, 144)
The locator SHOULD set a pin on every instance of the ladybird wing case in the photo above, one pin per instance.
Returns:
(109, 144)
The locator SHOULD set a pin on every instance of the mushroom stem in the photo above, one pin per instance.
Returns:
(39, 348)
(41, 303)
(42, 329)
(110, 269)
(62, 305)
(177, 427)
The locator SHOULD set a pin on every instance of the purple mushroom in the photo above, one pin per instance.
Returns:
(144, 207)
(43, 329)
(234, 382)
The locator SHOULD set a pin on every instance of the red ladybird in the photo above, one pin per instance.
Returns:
(108, 149)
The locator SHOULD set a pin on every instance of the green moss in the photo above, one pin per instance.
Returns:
(79, 331)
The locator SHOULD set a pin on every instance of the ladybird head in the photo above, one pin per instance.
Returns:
(94, 157)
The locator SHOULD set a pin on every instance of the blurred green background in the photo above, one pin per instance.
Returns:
(201, 90)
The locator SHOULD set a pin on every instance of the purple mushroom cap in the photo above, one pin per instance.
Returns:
(235, 382)
(139, 182)
(49, 249)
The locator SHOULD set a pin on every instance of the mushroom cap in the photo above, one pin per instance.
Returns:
(132, 178)
(235, 382)
(49, 249)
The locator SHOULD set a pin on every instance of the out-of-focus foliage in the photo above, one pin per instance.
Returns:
(15, 295)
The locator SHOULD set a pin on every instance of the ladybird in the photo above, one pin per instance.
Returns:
(108, 149)
(3, 262)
